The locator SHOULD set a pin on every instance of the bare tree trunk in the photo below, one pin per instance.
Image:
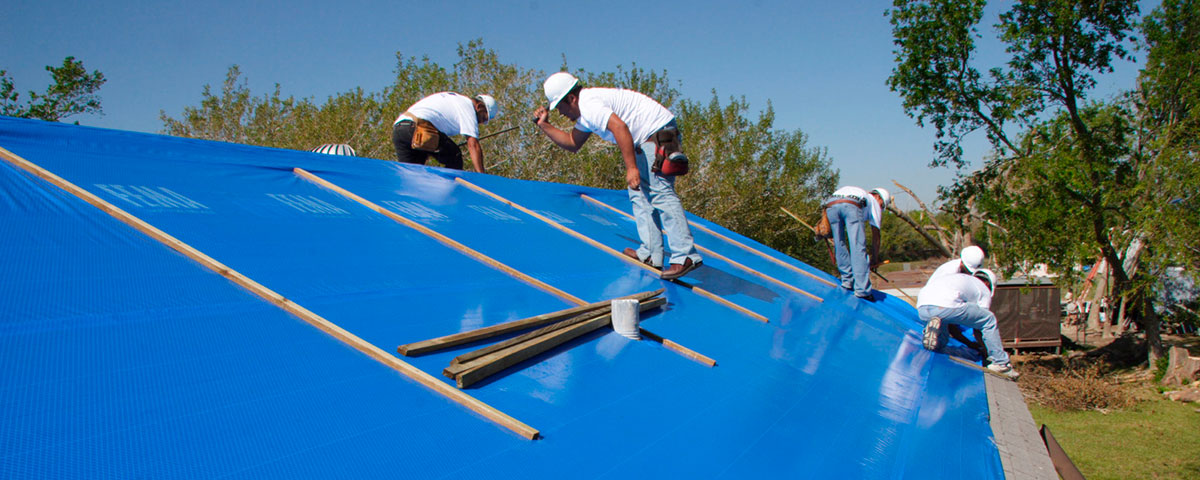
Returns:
(916, 226)
(1151, 324)
(932, 219)
(1119, 329)
(1099, 288)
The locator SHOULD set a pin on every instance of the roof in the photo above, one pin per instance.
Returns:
(127, 358)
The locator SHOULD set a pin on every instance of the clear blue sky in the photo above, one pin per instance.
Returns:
(823, 65)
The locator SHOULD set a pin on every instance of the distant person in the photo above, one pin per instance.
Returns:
(850, 211)
(963, 300)
(426, 127)
(335, 149)
(968, 262)
(642, 129)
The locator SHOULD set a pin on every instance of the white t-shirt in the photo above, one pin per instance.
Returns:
(640, 113)
(874, 210)
(451, 113)
(948, 268)
(955, 290)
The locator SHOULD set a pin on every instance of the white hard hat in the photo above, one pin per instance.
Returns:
(884, 195)
(335, 149)
(988, 277)
(558, 86)
(490, 103)
(972, 258)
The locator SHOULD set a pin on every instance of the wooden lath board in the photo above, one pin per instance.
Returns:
(463, 248)
(714, 254)
(441, 238)
(727, 239)
(289, 306)
(444, 342)
(611, 251)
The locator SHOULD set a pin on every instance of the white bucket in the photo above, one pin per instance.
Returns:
(625, 318)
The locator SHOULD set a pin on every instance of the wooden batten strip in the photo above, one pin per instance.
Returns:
(441, 238)
(729, 240)
(474, 354)
(677, 348)
(717, 298)
(498, 361)
(759, 274)
(556, 225)
(608, 249)
(980, 368)
(440, 343)
(474, 359)
(289, 306)
(710, 252)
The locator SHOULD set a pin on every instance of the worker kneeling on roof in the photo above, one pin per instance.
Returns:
(851, 210)
(969, 261)
(642, 129)
(964, 300)
(426, 127)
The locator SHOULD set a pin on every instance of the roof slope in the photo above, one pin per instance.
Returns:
(124, 358)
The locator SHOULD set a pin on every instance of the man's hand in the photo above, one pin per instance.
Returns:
(633, 178)
(542, 114)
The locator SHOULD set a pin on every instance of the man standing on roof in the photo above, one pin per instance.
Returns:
(426, 127)
(642, 129)
(964, 300)
(850, 211)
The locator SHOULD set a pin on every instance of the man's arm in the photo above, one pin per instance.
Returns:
(875, 260)
(624, 139)
(570, 142)
(476, 152)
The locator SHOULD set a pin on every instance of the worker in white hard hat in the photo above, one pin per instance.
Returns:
(969, 261)
(850, 211)
(963, 300)
(426, 127)
(643, 130)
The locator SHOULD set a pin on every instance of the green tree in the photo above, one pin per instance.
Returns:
(1062, 179)
(1168, 115)
(73, 92)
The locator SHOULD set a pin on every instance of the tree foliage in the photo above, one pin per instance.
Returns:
(1168, 101)
(73, 92)
(743, 167)
(1071, 179)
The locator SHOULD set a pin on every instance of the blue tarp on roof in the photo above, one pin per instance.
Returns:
(123, 358)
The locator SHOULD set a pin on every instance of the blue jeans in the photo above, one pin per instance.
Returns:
(847, 223)
(971, 316)
(655, 205)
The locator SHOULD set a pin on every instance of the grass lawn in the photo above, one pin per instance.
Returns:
(1157, 439)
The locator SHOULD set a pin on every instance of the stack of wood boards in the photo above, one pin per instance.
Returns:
(556, 329)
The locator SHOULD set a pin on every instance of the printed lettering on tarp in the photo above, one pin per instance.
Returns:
(145, 196)
(554, 216)
(494, 213)
(413, 210)
(599, 219)
(307, 204)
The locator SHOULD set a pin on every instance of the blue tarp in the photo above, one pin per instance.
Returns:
(123, 358)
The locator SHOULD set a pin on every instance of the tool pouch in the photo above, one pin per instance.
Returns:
(823, 229)
(425, 136)
(668, 153)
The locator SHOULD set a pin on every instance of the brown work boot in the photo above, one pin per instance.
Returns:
(677, 270)
(631, 253)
